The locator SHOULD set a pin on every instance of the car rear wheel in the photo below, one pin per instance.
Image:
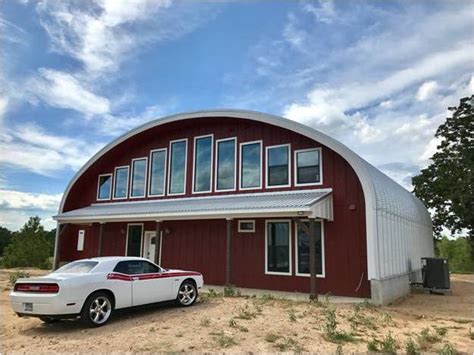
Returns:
(187, 294)
(97, 310)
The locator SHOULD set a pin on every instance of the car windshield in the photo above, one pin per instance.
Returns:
(77, 267)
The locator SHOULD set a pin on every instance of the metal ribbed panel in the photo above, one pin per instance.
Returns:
(266, 201)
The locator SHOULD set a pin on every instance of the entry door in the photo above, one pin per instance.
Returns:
(150, 245)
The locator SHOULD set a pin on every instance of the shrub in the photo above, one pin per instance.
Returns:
(389, 344)
(411, 348)
(330, 330)
(223, 340)
(17, 275)
(289, 344)
(271, 338)
(447, 349)
(231, 291)
(292, 315)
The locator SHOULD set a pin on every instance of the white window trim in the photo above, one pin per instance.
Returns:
(217, 164)
(115, 180)
(110, 190)
(150, 171)
(240, 165)
(323, 262)
(267, 186)
(141, 238)
(320, 167)
(194, 163)
(144, 176)
(290, 273)
(185, 167)
(246, 230)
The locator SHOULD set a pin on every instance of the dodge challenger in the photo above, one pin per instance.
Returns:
(93, 289)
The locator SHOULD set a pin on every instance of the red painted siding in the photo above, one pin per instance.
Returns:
(200, 245)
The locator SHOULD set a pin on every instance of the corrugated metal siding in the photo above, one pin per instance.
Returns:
(404, 230)
(267, 202)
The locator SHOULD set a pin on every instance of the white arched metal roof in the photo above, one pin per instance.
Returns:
(383, 196)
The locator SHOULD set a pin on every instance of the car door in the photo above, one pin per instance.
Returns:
(149, 283)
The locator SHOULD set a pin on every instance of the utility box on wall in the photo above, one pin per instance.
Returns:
(435, 272)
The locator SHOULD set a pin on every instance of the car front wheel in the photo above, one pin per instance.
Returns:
(187, 294)
(97, 310)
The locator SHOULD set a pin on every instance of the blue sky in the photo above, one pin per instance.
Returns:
(377, 75)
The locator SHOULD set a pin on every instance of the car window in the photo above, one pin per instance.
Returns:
(134, 267)
(77, 267)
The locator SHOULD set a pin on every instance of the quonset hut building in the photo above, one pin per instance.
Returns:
(248, 199)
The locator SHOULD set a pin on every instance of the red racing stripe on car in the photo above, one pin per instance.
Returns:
(138, 277)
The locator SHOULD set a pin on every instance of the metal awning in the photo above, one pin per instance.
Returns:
(315, 203)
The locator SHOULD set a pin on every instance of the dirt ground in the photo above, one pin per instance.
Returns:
(263, 324)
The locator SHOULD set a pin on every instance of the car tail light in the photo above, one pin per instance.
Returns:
(37, 287)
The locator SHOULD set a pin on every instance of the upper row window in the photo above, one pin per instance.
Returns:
(177, 176)
(307, 169)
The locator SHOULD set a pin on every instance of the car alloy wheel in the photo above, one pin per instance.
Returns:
(187, 294)
(97, 309)
(100, 309)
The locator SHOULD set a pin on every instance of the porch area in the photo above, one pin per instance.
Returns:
(203, 233)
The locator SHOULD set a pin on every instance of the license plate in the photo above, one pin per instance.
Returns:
(28, 307)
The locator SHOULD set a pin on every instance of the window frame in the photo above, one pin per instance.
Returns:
(194, 164)
(295, 165)
(216, 175)
(239, 230)
(267, 166)
(241, 145)
(170, 151)
(110, 189)
(323, 260)
(130, 191)
(290, 261)
(141, 239)
(150, 171)
(115, 180)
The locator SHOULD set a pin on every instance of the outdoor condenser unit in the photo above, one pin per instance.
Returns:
(435, 273)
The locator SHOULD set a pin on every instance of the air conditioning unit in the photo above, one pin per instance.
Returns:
(435, 272)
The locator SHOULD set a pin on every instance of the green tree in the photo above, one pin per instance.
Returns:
(458, 252)
(29, 246)
(5, 238)
(447, 185)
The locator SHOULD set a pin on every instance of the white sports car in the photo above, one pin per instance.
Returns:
(94, 288)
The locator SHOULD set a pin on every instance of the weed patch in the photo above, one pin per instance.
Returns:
(331, 333)
(205, 322)
(13, 277)
(271, 337)
(289, 344)
(223, 340)
(411, 348)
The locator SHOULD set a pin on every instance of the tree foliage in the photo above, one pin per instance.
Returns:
(447, 185)
(458, 252)
(30, 246)
(5, 238)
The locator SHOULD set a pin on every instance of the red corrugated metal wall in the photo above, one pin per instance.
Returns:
(200, 245)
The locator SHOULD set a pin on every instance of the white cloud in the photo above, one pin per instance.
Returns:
(30, 148)
(427, 90)
(10, 199)
(63, 90)
(103, 34)
(114, 125)
(324, 11)
(17, 207)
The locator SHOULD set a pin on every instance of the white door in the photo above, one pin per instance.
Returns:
(149, 284)
(150, 244)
